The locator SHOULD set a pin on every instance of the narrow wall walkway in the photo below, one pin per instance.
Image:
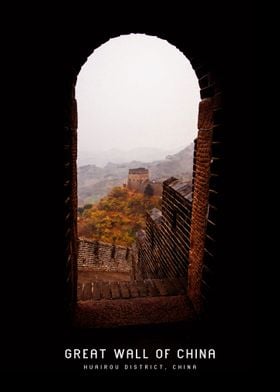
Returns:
(133, 289)
(147, 302)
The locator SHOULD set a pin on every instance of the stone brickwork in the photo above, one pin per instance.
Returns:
(132, 289)
(202, 162)
(136, 177)
(138, 180)
(163, 248)
(100, 256)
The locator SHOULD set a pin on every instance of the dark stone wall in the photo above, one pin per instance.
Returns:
(202, 156)
(101, 256)
(164, 247)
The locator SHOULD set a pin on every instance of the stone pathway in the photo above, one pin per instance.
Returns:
(134, 289)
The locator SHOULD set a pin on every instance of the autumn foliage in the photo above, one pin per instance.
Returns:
(116, 217)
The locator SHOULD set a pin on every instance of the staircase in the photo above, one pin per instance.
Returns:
(129, 290)
(139, 302)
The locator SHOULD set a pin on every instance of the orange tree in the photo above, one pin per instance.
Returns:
(116, 217)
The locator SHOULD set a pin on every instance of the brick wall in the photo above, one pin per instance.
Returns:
(164, 246)
(100, 256)
(137, 177)
(207, 178)
(200, 199)
(210, 266)
(70, 187)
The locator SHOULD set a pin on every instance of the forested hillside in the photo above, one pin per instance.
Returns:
(116, 217)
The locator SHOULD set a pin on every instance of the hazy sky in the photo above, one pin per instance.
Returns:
(136, 91)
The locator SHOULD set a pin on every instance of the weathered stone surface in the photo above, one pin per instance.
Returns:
(124, 290)
(160, 286)
(100, 256)
(137, 177)
(105, 290)
(96, 290)
(87, 292)
(115, 290)
(133, 289)
(163, 248)
(170, 288)
(134, 311)
(138, 180)
(152, 291)
(142, 288)
(79, 291)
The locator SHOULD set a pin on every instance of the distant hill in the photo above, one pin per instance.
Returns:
(177, 165)
(95, 182)
(114, 155)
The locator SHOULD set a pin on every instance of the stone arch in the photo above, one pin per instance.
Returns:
(206, 170)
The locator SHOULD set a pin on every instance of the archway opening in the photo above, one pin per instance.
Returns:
(138, 106)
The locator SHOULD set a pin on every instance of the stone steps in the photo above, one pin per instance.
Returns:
(133, 289)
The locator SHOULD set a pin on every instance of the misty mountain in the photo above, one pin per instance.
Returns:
(95, 182)
(143, 154)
